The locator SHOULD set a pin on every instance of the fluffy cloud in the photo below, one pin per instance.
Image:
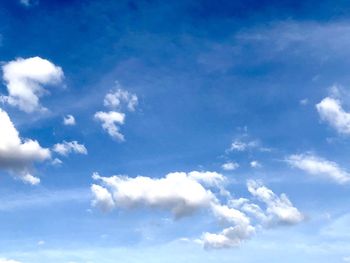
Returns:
(319, 166)
(183, 194)
(24, 80)
(18, 156)
(110, 121)
(69, 120)
(184, 199)
(66, 148)
(116, 99)
(230, 166)
(331, 111)
(279, 210)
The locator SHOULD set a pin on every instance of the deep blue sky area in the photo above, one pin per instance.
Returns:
(174, 131)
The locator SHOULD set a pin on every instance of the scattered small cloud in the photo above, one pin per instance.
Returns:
(118, 98)
(66, 148)
(230, 166)
(69, 120)
(255, 164)
(110, 123)
(315, 165)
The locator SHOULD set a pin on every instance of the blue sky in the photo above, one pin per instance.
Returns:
(176, 131)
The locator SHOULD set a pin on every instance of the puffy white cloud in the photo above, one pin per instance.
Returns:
(24, 80)
(319, 166)
(115, 99)
(110, 121)
(331, 111)
(66, 148)
(69, 120)
(255, 164)
(280, 210)
(176, 192)
(4, 260)
(18, 156)
(230, 166)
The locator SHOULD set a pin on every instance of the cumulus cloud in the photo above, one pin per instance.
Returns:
(17, 155)
(66, 148)
(69, 120)
(332, 112)
(176, 192)
(280, 209)
(110, 121)
(25, 78)
(318, 166)
(116, 99)
(230, 166)
(183, 194)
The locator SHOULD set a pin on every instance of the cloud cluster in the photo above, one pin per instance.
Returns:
(183, 194)
(25, 78)
(17, 155)
(318, 166)
(66, 148)
(111, 120)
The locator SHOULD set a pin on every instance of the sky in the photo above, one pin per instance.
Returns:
(174, 131)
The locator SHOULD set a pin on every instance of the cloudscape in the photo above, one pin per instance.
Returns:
(174, 131)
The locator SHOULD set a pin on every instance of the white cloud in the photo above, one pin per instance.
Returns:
(177, 192)
(56, 161)
(24, 79)
(241, 146)
(183, 194)
(4, 260)
(331, 111)
(279, 210)
(18, 156)
(69, 120)
(110, 121)
(230, 166)
(228, 238)
(319, 166)
(66, 148)
(255, 164)
(207, 178)
(115, 99)
(102, 198)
